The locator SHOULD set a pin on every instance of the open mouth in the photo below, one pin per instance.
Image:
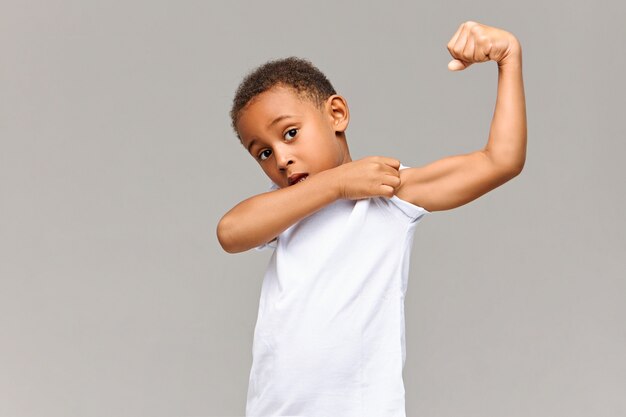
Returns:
(298, 178)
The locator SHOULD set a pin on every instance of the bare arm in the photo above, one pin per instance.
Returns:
(457, 180)
(261, 218)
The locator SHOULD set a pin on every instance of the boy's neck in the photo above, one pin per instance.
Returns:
(341, 137)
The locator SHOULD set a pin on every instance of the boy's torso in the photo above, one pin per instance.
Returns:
(329, 338)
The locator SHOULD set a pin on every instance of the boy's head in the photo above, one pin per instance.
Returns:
(288, 116)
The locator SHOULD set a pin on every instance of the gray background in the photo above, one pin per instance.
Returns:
(117, 161)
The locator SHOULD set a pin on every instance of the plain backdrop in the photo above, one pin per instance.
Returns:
(117, 161)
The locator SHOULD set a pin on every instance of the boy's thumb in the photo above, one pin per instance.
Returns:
(456, 65)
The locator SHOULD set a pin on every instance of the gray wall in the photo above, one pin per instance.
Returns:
(117, 161)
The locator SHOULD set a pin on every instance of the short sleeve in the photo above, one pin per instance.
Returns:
(272, 243)
(269, 245)
(410, 210)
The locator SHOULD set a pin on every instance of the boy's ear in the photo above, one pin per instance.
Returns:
(338, 112)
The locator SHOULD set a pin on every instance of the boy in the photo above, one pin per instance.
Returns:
(329, 338)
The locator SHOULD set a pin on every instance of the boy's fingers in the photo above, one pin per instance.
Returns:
(457, 49)
(392, 162)
(391, 171)
(387, 190)
(393, 181)
(454, 37)
(469, 50)
(456, 65)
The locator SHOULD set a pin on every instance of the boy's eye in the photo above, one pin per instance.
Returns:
(265, 154)
(290, 133)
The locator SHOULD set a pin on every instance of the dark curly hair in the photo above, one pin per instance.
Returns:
(297, 73)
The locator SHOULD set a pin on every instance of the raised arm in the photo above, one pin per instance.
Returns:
(456, 180)
(261, 218)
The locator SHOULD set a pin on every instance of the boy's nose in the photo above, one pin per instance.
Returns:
(283, 159)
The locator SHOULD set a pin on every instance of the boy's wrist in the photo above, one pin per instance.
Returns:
(329, 179)
(513, 58)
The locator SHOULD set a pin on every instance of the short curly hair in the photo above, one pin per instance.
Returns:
(297, 73)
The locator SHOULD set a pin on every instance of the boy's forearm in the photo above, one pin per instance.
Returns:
(259, 219)
(507, 137)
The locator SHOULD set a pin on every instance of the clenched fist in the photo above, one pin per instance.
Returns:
(474, 42)
(368, 177)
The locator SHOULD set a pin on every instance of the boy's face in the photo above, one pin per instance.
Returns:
(290, 137)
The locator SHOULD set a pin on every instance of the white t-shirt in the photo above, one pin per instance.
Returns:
(329, 337)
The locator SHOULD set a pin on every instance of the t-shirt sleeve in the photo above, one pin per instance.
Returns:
(405, 208)
(272, 243)
(269, 245)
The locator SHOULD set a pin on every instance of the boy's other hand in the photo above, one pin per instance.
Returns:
(372, 176)
(474, 42)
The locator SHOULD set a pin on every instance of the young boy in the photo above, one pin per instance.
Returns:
(329, 338)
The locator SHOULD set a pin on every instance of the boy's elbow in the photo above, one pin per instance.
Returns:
(224, 236)
(517, 168)
(510, 172)
(510, 169)
(508, 164)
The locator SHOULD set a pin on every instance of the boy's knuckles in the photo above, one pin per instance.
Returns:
(475, 29)
(482, 39)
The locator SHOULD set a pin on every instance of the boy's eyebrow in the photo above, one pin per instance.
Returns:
(278, 119)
